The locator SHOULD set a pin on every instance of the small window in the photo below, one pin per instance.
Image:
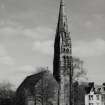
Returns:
(104, 88)
(64, 57)
(97, 97)
(91, 104)
(90, 97)
(67, 57)
(67, 50)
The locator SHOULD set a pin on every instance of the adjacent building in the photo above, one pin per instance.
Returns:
(95, 95)
(38, 89)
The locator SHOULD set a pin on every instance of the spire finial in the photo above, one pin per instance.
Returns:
(62, 8)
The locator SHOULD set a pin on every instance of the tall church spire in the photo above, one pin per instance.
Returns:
(62, 63)
(62, 20)
(62, 37)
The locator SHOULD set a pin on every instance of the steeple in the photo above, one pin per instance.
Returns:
(62, 63)
(62, 34)
(62, 20)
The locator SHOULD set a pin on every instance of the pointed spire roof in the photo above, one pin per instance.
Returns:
(62, 7)
(62, 20)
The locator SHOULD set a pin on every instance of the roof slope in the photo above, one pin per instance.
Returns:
(30, 81)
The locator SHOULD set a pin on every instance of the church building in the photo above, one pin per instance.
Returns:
(62, 64)
(45, 88)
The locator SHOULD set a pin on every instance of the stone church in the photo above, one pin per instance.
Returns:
(45, 88)
(62, 64)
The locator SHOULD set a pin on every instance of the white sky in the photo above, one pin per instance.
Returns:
(27, 31)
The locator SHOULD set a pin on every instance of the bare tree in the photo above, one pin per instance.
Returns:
(6, 90)
(78, 70)
(6, 94)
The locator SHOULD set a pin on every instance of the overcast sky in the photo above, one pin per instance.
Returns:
(27, 31)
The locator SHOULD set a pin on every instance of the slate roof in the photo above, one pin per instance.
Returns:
(30, 81)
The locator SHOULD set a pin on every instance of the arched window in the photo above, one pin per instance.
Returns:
(64, 57)
(64, 50)
(67, 57)
(67, 50)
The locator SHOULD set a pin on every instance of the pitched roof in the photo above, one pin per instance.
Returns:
(30, 81)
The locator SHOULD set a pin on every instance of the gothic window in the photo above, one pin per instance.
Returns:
(64, 57)
(64, 49)
(64, 60)
(70, 50)
(67, 57)
(67, 50)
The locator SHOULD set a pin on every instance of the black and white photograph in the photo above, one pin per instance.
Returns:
(52, 52)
